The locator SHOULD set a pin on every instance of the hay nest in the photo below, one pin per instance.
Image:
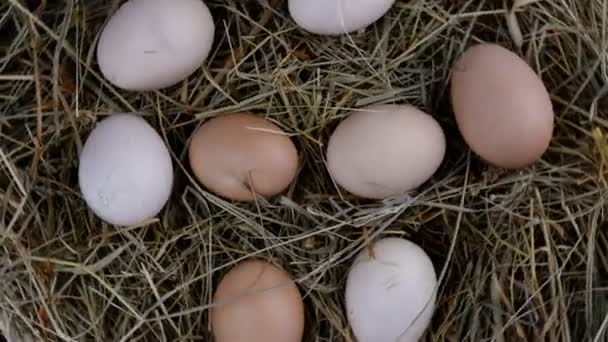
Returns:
(522, 255)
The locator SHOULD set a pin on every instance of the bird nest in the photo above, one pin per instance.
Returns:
(520, 255)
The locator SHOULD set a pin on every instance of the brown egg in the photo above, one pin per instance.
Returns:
(237, 154)
(502, 107)
(257, 302)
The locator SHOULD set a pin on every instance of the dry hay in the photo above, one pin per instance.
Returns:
(521, 255)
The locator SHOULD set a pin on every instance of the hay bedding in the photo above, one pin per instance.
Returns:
(522, 255)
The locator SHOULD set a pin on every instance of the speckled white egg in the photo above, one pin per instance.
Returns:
(125, 172)
(391, 292)
(334, 17)
(152, 44)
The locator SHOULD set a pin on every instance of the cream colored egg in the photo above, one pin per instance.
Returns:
(385, 151)
(391, 292)
(152, 44)
(334, 17)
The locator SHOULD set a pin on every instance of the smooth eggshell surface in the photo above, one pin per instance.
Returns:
(502, 107)
(384, 151)
(236, 153)
(152, 44)
(390, 296)
(257, 302)
(125, 172)
(334, 17)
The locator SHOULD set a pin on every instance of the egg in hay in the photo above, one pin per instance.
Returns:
(385, 150)
(152, 44)
(334, 17)
(257, 302)
(390, 292)
(238, 155)
(125, 171)
(502, 108)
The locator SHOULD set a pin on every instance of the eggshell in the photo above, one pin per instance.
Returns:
(237, 153)
(390, 296)
(152, 44)
(125, 172)
(502, 107)
(334, 17)
(384, 151)
(257, 302)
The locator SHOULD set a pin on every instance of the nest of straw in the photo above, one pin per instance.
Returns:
(522, 255)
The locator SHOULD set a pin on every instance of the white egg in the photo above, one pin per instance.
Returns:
(125, 171)
(334, 17)
(152, 44)
(390, 295)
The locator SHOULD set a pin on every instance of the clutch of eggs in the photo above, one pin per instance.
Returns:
(257, 302)
(240, 155)
(385, 151)
(152, 44)
(125, 171)
(335, 17)
(391, 292)
(502, 108)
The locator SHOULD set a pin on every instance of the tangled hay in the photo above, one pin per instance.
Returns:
(522, 255)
